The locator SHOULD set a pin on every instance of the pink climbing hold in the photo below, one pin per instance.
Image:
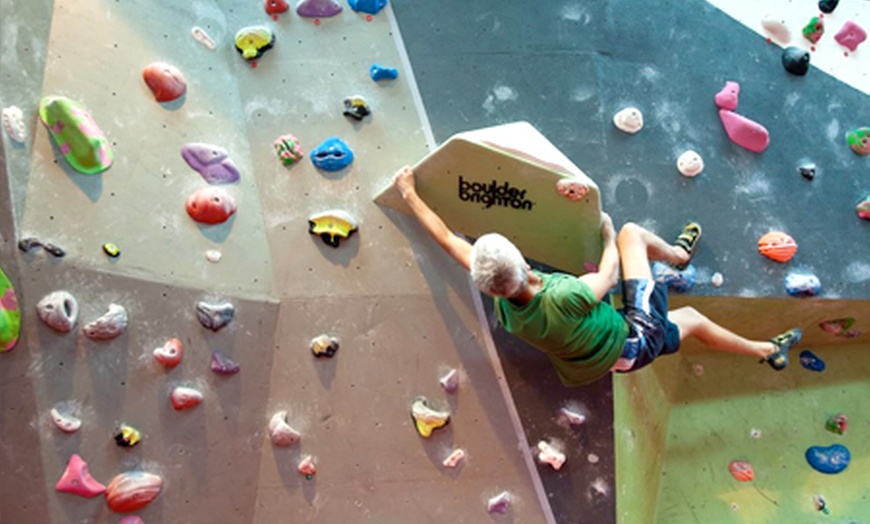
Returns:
(133, 519)
(76, 479)
(727, 97)
(850, 35)
(744, 132)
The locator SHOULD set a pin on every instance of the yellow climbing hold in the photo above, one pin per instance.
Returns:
(332, 225)
(252, 42)
(427, 419)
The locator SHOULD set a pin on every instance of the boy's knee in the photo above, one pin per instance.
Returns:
(629, 230)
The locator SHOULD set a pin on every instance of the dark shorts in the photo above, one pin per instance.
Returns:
(650, 333)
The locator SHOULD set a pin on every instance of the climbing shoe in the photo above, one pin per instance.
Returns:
(688, 240)
(778, 360)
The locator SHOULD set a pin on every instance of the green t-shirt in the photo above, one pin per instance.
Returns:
(582, 336)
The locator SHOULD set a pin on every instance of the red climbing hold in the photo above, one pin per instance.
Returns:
(276, 7)
(744, 132)
(76, 479)
(741, 470)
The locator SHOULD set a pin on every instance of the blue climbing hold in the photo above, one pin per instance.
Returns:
(675, 279)
(367, 6)
(379, 72)
(332, 155)
(802, 284)
(811, 361)
(830, 460)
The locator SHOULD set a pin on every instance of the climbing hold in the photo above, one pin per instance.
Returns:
(820, 504)
(755, 433)
(796, 60)
(318, 8)
(10, 315)
(830, 460)
(252, 42)
(499, 503)
(215, 316)
(717, 279)
(379, 72)
(132, 490)
(840, 327)
(628, 120)
(280, 431)
(863, 209)
(808, 171)
(450, 381)
(547, 454)
(165, 81)
(170, 353)
(332, 226)
(814, 29)
(837, 423)
(29, 243)
(223, 365)
(213, 255)
(132, 519)
(828, 6)
(126, 436)
(80, 139)
(76, 479)
(572, 189)
(744, 132)
(210, 205)
(324, 346)
(859, 140)
(741, 470)
(183, 397)
(275, 7)
(356, 107)
(801, 284)
(288, 149)
(728, 96)
(64, 420)
(367, 6)
(108, 326)
(850, 35)
(454, 458)
(777, 28)
(690, 164)
(777, 246)
(202, 37)
(332, 155)
(426, 419)
(54, 250)
(212, 162)
(572, 417)
(308, 467)
(674, 278)
(13, 123)
(811, 361)
(112, 249)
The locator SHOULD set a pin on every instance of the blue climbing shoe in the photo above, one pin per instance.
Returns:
(783, 342)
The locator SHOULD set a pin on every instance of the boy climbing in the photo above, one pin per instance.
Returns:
(565, 316)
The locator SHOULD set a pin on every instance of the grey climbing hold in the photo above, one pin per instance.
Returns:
(108, 326)
(59, 310)
(215, 316)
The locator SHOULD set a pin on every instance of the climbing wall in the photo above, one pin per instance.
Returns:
(403, 315)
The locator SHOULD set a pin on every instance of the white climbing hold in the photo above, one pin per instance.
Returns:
(453, 460)
(547, 454)
(13, 122)
(717, 279)
(592, 458)
(202, 37)
(183, 397)
(108, 326)
(213, 255)
(450, 381)
(777, 28)
(629, 120)
(499, 503)
(572, 417)
(64, 420)
(280, 431)
(59, 310)
(690, 164)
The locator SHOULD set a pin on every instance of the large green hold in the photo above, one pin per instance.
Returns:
(10, 315)
(79, 138)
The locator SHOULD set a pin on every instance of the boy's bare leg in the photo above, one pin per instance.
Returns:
(637, 246)
(693, 324)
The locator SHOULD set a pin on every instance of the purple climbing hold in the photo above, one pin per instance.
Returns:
(223, 365)
(850, 35)
(212, 162)
(367, 6)
(499, 503)
(318, 8)
(829, 460)
(811, 361)
(379, 72)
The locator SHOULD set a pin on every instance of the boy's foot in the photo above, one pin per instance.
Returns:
(688, 240)
(778, 360)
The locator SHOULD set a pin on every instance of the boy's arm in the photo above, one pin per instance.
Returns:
(456, 247)
(608, 268)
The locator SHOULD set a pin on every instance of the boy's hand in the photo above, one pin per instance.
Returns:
(404, 181)
(608, 233)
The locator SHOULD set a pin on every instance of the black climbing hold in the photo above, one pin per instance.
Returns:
(26, 244)
(796, 60)
(828, 6)
(54, 250)
(356, 107)
(808, 171)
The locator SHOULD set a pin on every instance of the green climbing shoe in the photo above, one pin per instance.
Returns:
(688, 240)
(783, 342)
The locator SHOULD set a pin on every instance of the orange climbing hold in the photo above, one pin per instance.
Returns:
(777, 246)
(741, 470)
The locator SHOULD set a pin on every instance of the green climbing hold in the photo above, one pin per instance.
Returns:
(80, 139)
(10, 315)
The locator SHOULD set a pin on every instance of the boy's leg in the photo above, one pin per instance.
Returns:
(637, 246)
